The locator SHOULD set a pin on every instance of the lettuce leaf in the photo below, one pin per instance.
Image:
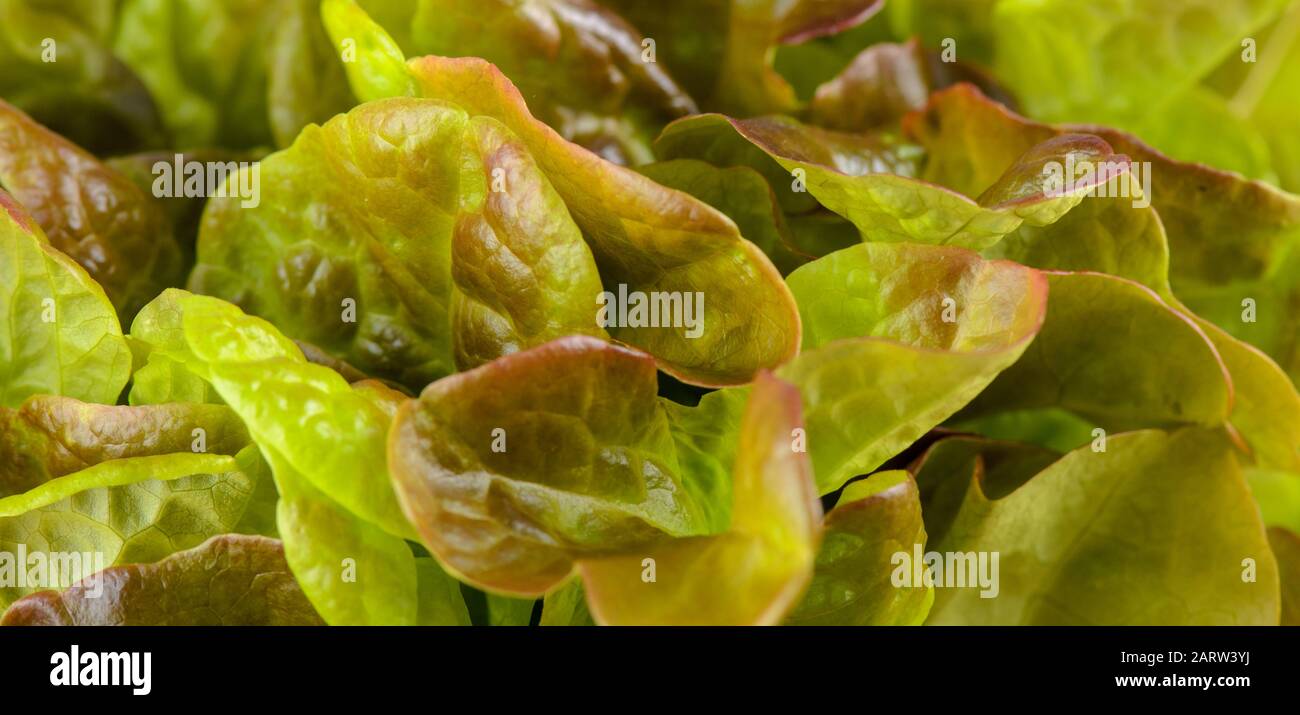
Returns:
(751, 574)
(475, 255)
(228, 580)
(90, 212)
(853, 582)
(1068, 553)
(642, 235)
(63, 336)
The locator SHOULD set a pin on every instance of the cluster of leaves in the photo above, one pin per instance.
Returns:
(381, 394)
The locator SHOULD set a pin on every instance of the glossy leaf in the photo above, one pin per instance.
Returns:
(644, 236)
(742, 194)
(753, 573)
(89, 211)
(303, 415)
(853, 582)
(508, 487)
(63, 337)
(473, 257)
(229, 580)
(49, 437)
(861, 184)
(898, 338)
(582, 66)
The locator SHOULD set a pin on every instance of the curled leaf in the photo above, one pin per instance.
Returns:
(753, 573)
(886, 204)
(508, 487)
(63, 337)
(853, 583)
(897, 338)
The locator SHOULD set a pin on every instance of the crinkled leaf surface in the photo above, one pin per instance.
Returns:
(229, 580)
(63, 337)
(306, 415)
(127, 484)
(853, 584)
(897, 338)
(50, 437)
(648, 237)
(970, 138)
(645, 236)
(89, 211)
(436, 244)
(508, 486)
(135, 509)
(753, 573)
(1153, 530)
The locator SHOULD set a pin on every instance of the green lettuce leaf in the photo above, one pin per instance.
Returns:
(508, 487)
(742, 194)
(474, 257)
(752, 574)
(49, 437)
(644, 236)
(852, 583)
(1093, 82)
(971, 138)
(867, 180)
(1094, 353)
(125, 484)
(344, 534)
(228, 580)
(1286, 549)
(567, 606)
(352, 571)
(262, 70)
(899, 337)
(305, 415)
(1068, 551)
(63, 336)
